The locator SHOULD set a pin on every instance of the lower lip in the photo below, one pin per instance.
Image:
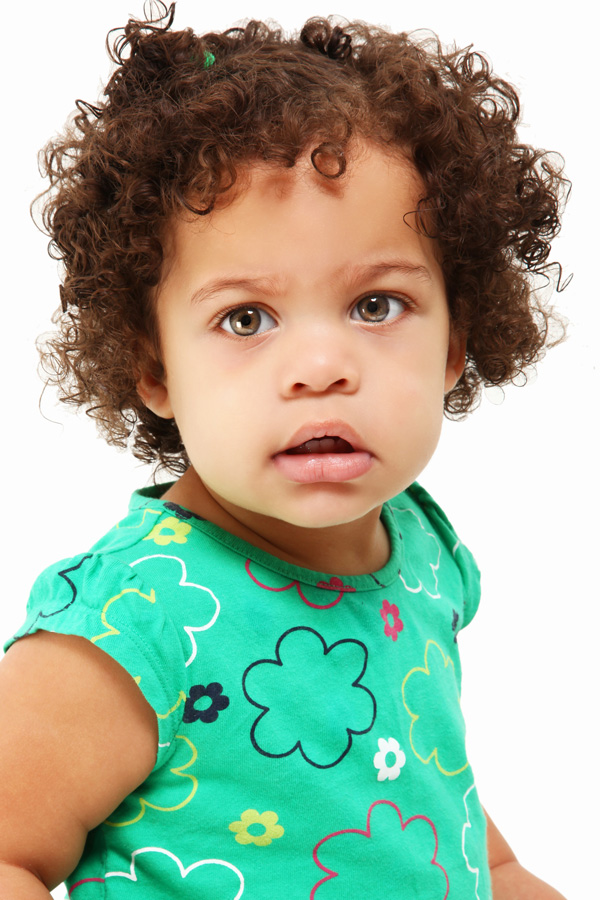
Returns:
(310, 468)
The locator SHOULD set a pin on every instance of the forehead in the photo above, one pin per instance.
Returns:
(295, 223)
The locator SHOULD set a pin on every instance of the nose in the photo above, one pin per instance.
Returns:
(319, 362)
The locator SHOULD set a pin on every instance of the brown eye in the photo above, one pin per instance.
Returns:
(378, 308)
(247, 320)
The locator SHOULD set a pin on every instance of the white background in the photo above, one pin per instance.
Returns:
(518, 480)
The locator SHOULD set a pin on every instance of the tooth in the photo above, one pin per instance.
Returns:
(328, 445)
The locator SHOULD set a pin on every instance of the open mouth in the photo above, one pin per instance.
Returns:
(327, 444)
(329, 458)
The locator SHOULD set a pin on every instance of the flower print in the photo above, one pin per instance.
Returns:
(340, 706)
(425, 689)
(391, 746)
(201, 878)
(422, 554)
(202, 605)
(390, 609)
(455, 622)
(135, 805)
(357, 862)
(251, 817)
(335, 584)
(182, 513)
(169, 530)
(219, 702)
(473, 849)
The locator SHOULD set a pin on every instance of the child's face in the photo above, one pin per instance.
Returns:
(340, 328)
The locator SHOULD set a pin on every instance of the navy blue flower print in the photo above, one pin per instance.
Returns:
(219, 702)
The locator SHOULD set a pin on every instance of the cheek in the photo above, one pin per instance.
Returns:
(416, 374)
(410, 409)
(215, 415)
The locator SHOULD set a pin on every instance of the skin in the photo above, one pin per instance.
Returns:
(302, 251)
(315, 366)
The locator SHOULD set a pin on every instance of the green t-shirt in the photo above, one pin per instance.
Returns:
(311, 743)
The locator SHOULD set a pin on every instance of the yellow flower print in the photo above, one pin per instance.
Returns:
(144, 804)
(268, 820)
(176, 532)
(428, 739)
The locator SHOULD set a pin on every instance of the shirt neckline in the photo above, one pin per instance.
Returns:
(152, 496)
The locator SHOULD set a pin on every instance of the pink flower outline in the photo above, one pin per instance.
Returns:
(367, 833)
(390, 609)
(84, 881)
(332, 585)
(335, 584)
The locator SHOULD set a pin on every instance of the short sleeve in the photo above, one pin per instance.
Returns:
(106, 601)
(467, 567)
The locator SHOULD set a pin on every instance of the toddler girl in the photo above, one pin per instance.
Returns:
(284, 259)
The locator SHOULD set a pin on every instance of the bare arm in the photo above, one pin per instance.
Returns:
(76, 737)
(20, 884)
(510, 881)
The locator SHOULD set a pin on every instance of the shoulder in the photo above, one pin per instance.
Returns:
(75, 731)
(122, 597)
(424, 506)
(123, 573)
(427, 531)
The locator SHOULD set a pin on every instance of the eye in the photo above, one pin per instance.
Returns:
(378, 308)
(246, 321)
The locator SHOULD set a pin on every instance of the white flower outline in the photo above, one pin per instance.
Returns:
(386, 772)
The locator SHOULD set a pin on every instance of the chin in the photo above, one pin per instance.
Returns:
(327, 511)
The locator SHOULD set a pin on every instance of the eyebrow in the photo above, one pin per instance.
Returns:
(270, 286)
(259, 285)
(403, 267)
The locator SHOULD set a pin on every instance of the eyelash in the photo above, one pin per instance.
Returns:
(372, 295)
(226, 313)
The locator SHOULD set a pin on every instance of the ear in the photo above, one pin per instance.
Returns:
(155, 395)
(457, 355)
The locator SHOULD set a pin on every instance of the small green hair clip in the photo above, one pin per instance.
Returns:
(209, 59)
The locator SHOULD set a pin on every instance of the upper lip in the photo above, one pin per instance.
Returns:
(328, 428)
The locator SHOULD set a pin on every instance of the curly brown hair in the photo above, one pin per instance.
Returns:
(182, 114)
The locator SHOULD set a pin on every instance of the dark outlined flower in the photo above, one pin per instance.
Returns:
(182, 513)
(310, 697)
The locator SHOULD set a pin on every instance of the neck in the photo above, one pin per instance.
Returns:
(351, 548)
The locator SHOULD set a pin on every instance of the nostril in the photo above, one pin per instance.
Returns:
(319, 375)
(320, 387)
